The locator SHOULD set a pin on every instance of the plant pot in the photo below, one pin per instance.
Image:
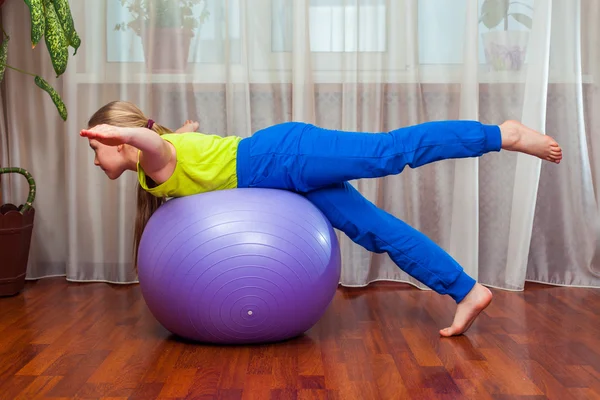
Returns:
(505, 50)
(16, 226)
(166, 50)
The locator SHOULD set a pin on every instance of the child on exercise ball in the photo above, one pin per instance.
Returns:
(317, 163)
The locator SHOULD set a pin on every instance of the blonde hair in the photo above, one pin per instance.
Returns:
(128, 115)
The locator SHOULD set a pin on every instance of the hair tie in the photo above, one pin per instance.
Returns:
(150, 124)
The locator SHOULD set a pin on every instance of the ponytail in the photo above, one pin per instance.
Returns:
(147, 204)
(161, 130)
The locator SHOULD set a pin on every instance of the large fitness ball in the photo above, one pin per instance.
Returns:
(239, 266)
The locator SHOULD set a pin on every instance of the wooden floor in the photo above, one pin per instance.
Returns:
(65, 340)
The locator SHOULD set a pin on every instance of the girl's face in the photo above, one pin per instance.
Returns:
(110, 159)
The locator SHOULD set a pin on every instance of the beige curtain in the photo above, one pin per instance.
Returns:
(369, 65)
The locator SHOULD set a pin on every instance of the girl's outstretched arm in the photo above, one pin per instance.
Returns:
(157, 156)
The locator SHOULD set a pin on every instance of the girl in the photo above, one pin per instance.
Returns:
(317, 163)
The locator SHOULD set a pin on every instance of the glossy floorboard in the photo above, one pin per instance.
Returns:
(90, 341)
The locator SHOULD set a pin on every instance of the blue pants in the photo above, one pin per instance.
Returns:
(318, 163)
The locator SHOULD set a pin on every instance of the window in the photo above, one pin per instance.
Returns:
(207, 45)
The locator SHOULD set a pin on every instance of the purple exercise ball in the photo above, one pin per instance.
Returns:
(239, 266)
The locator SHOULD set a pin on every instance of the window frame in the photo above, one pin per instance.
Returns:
(261, 65)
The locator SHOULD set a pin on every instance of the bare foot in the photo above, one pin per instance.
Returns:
(189, 126)
(468, 309)
(518, 137)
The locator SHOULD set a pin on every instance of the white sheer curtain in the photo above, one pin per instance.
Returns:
(369, 65)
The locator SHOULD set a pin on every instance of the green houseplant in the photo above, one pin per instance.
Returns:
(504, 49)
(165, 28)
(52, 21)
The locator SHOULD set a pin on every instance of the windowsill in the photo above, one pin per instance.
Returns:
(425, 75)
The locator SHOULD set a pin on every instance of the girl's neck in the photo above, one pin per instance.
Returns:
(131, 157)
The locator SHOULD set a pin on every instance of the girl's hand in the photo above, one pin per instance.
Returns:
(188, 126)
(107, 134)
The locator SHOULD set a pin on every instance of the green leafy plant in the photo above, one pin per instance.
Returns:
(51, 20)
(163, 14)
(493, 12)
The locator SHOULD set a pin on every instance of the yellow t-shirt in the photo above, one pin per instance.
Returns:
(204, 163)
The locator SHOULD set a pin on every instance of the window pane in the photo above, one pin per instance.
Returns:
(282, 25)
(441, 29)
(335, 25)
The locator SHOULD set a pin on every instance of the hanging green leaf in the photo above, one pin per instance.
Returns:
(66, 19)
(38, 22)
(63, 11)
(3, 56)
(56, 42)
(523, 19)
(75, 42)
(60, 106)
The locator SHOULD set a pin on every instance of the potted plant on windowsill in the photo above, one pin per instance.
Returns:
(504, 49)
(52, 21)
(166, 28)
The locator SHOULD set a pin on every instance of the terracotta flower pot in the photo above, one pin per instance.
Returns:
(16, 226)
